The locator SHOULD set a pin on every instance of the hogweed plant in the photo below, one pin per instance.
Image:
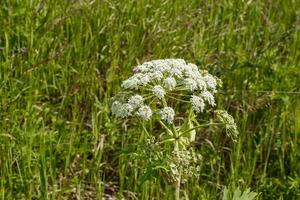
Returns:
(173, 95)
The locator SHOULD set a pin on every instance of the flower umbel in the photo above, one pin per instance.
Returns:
(121, 110)
(208, 96)
(159, 91)
(161, 79)
(197, 103)
(144, 112)
(136, 101)
(228, 120)
(170, 83)
(167, 114)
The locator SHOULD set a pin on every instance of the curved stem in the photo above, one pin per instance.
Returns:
(177, 99)
(200, 126)
(166, 127)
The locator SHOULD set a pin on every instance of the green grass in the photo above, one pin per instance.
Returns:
(62, 61)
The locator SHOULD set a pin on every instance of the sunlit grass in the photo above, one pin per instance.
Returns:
(62, 61)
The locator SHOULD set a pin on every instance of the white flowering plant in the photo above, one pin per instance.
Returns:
(172, 93)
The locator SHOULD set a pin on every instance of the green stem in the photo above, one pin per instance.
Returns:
(175, 135)
(177, 189)
(166, 127)
(176, 149)
(196, 127)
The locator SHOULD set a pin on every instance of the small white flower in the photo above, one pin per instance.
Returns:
(158, 91)
(211, 82)
(131, 83)
(191, 84)
(121, 110)
(161, 65)
(170, 83)
(201, 84)
(228, 120)
(144, 112)
(177, 67)
(144, 80)
(209, 97)
(176, 71)
(136, 101)
(191, 71)
(175, 62)
(197, 103)
(126, 110)
(167, 114)
(135, 81)
(157, 75)
(142, 68)
(115, 108)
(193, 67)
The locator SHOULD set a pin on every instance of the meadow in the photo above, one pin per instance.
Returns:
(61, 62)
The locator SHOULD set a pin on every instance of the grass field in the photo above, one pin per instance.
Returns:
(62, 61)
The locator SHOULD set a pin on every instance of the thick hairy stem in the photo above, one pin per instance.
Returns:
(177, 187)
(178, 180)
(174, 133)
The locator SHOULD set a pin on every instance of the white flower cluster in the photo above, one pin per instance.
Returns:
(228, 121)
(159, 91)
(170, 83)
(144, 112)
(197, 103)
(185, 162)
(161, 77)
(167, 114)
(121, 110)
(135, 102)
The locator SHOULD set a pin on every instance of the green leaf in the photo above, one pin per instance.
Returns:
(239, 195)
